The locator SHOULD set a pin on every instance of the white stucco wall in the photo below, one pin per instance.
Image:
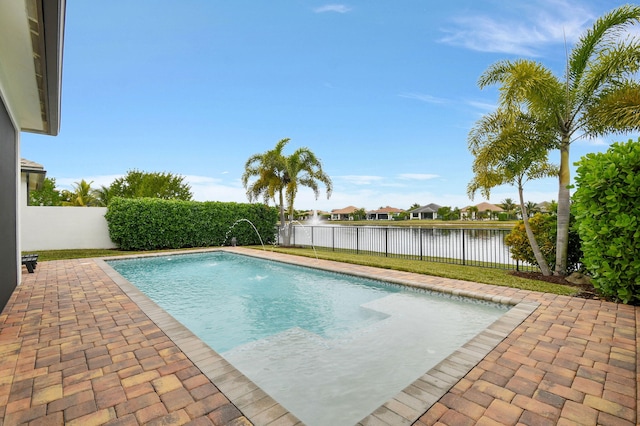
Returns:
(60, 228)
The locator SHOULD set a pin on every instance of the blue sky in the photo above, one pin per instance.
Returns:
(383, 92)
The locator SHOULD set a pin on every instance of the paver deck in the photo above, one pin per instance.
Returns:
(80, 345)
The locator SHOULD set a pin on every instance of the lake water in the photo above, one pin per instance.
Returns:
(483, 247)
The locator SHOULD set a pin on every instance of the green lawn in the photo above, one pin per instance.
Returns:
(466, 273)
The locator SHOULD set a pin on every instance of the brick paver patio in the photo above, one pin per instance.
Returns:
(78, 345)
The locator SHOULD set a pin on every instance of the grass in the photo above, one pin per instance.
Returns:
(466, 273)
(492, 276)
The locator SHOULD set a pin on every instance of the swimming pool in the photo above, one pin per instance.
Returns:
(329, 347)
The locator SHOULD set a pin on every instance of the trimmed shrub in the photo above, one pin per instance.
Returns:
(544, 227)
(607, 207)
(153, 223)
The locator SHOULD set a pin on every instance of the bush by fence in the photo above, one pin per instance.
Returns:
(151, 223)
(544, 228)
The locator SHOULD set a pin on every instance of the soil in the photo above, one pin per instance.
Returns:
(585, 291)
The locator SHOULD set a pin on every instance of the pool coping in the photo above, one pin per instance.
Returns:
(261, 409)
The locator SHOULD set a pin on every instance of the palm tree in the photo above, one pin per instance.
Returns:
(532, 208)
(268, 168)
(102, 195)
(508, 206)
(281, 175)
(82, 195)
(508, 150)
(597, 96)
(473, 212)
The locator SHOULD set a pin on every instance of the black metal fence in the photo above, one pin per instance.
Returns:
(461, 246)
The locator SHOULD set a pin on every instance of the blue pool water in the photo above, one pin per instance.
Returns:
(329, 347)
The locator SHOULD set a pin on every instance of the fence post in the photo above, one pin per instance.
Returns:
(386, 242)
(463, 249)
(357, 240)
(333, 238)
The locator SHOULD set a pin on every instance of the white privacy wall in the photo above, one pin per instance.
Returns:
(60, 228)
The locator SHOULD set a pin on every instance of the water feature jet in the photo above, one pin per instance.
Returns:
(233, 240)
(308, 235)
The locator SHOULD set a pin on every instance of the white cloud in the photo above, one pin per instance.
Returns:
(338, 8)
(205, 188)
(530, 27)
(418, 176)
(424, 98)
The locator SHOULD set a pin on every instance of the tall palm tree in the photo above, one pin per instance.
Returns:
(598, 95)
(303, 168)
(279, 175)
(507, 150)
(82, 195)
(268, 169)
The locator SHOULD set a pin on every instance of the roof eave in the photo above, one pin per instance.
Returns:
(31, 67)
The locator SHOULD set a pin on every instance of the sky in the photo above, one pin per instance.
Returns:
(383, 92)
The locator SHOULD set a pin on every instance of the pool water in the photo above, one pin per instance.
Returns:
(329, 347)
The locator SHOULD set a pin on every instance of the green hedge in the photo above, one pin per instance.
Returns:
(607, 207)
(152, 223)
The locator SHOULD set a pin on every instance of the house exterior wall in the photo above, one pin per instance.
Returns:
(9, 190)
(62, 228)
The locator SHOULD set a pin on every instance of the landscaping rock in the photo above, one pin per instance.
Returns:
(577, 278)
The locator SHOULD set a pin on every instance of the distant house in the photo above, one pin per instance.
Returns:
(544, 207)
(343, 214)
(385, 213)
(484, 209)
(430, 211)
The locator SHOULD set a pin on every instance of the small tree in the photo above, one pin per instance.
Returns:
(607, 206)
(48, 195)
(138, 184)
(444, 212)
(359, 214)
